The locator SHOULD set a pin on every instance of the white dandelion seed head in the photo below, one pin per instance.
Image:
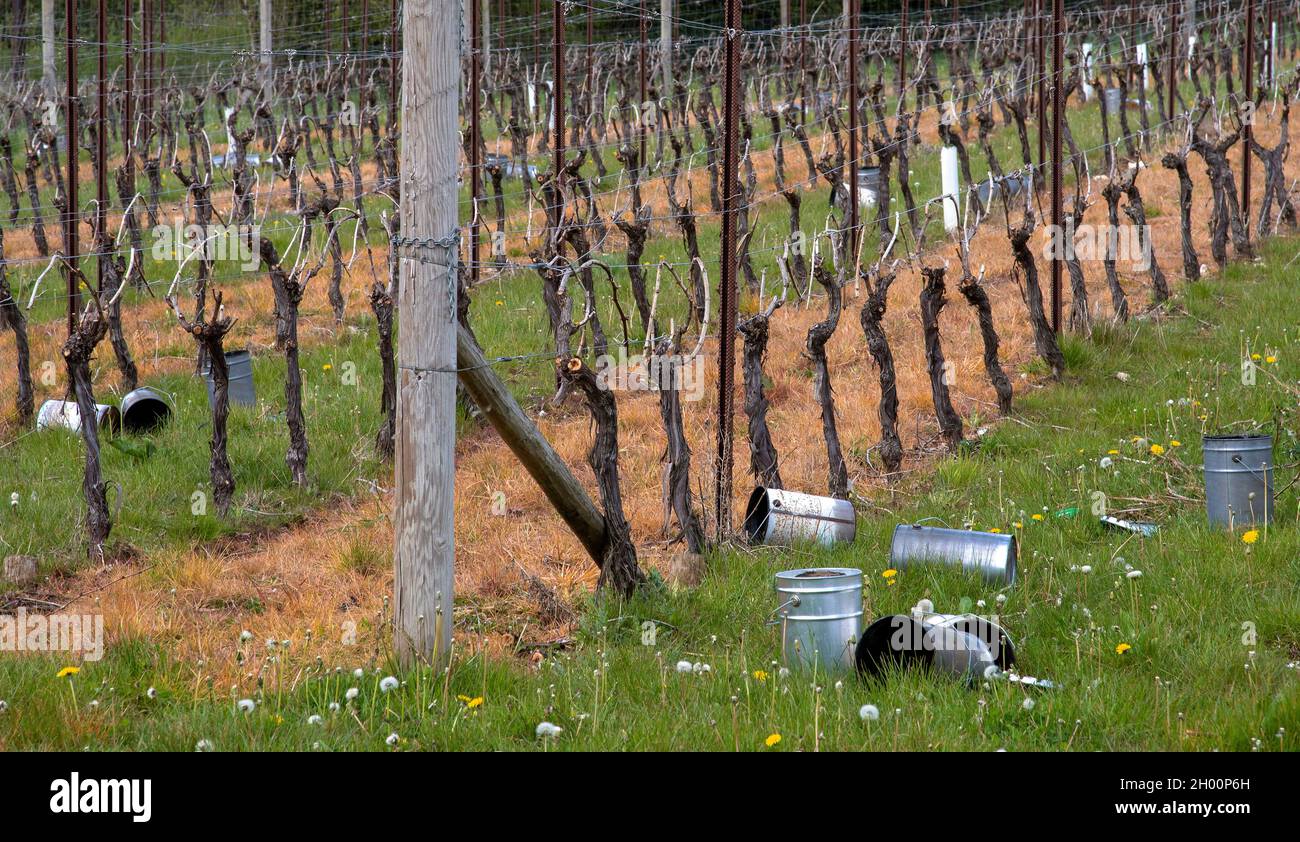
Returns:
(1106, 462)
(1086, 569)
(271, 643)
(869, 713)
(685, 666)
(245, 636)
(351, 694)
(1001, 600)
(392, 739)
(548, 730)
(783, 673)
(152, 692)
(4, 706)
(925, 606)
(358, 673)
(247, 705)
(991, 671)
(1134, 574)
(334, 707)
(203, 745)
(388, 684)
(315, 719)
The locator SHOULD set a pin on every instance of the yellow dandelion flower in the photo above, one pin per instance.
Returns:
(1175, 443)
(279, 720)
(996, 530)
(1122, 648)
(326, 367)
(462, 698)
(1018, 525)
(1254, 356)
(1270, 359)
(500, 303)
(1112, 452)
(68, 671)
(1157, 449)
(475, 702)
(1250, 537)
(772, 739)
(760, 675)
(1036, 516)
(890, 573)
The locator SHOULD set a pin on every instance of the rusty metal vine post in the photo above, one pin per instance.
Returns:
(557, 96)
(475, 164)
(101, 140)
(1173, 57)
(1040, 73)
(731, 197)
(852, 251)
(1248, 130)
(902, 63)
(644, 92)
(1058, 59)
(71, 245)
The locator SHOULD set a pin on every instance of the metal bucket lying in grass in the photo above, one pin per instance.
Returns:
(1238, 479)
(902, 642)
(240, 390)
(820, 612)
(66, 416)
(991, 554)
(988, 632)
(144, 410)
(775, 516)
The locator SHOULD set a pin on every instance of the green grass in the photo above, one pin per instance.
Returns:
(1212, 622)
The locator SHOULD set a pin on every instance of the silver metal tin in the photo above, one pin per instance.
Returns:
(66, 416)
(991, 554)
(775, 516)
(1238, 479)
(820, 612)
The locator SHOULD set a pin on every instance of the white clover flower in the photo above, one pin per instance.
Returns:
(1134, 574)
(388, 684)
(351, 694)
(247, 705)
(869, 713)
(685, 666)
(547, 730)
(1027, 704)
(314, 719)
(203, 745)
(392, 739)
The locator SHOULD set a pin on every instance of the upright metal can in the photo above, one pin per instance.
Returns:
(1238, 479)
(820, 612)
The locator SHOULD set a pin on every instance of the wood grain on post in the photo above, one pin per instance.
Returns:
(423, 522)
